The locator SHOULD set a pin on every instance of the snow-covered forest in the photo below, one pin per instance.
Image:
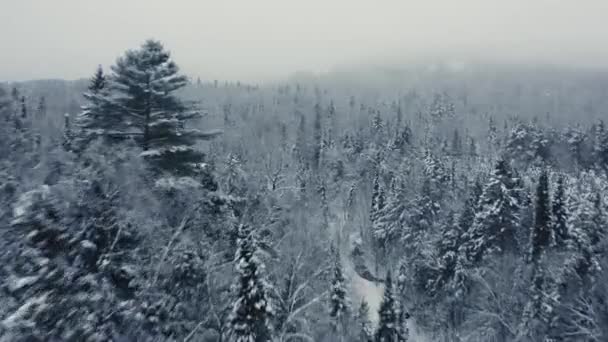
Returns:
(433, 202)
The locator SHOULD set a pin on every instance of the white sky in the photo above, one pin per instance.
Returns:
(249, 39)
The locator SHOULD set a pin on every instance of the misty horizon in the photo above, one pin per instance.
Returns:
(269, 40)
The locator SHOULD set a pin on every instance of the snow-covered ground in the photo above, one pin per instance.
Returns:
(363, 289)
(372, 293)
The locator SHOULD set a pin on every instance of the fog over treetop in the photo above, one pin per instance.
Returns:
(254, 40)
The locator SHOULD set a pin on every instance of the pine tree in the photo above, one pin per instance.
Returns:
(585, 230)
(447, 250)
(322, 190)
(143, 87)
(537, 311)
(580, 293)
(402, 280)
(402, 138)
(527, 143)
(250, 317)
(401, 311)
(68, 135)
(541, 231)
(379, 228)
(377, 124)
(6, 148)
(234, 178)
(15, 95)
(497, 222)
(41, 110)
(471, 207)
(575, 139)
(378, 198)
(365, 325)
(97, 117)
(441, 107)
(492, 133)
(422, 217)
(559, 215)
(456, 143)
(318, 139)
(600, 146)
(399, 115)
(75, 262)
(472, 147)
(436, 175)
(226, 109)
(98, 81)
(15, 100)
(300, 149)
(4, 103)
(387, 325)
(339, 305)
(23, 108)
(331, 116)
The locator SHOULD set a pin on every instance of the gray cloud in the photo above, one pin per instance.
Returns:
(246, 39)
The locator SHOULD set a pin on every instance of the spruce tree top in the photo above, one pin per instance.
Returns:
(142, 87)
(249, 320)
(98, 81)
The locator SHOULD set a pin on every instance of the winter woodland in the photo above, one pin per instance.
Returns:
(424, 203)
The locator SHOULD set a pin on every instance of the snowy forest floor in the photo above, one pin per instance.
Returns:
(358, 275)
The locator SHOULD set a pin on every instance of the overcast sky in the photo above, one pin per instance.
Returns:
(250, 39)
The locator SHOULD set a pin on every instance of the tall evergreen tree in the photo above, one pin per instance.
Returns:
(379, 227)
(537, 311)
(68, 134)
(441, 107)
(365, 325)
(400, 309)
(447, 250)
(15, 95)
(388, 220)
(472, 147)
(399, 115)
(15, 98)
(331, 126)
(541, 231)
(77, 262)
(41, 110)
(4, 103)
(496, 224)
(387, 330)
(600, 146)
(339, 305)
(377, 124)
(575, 141)
(318, 138)
(471, 206)
(97, 118)
(300, 149)
(98, 81)
(322, 190)
(251, 312)
(402, 138)
(559, 215)
(143, 92)
(456, 147)
(378, 198)
(437, 177)
(422, 218)
(23, 108)
(585, 230)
